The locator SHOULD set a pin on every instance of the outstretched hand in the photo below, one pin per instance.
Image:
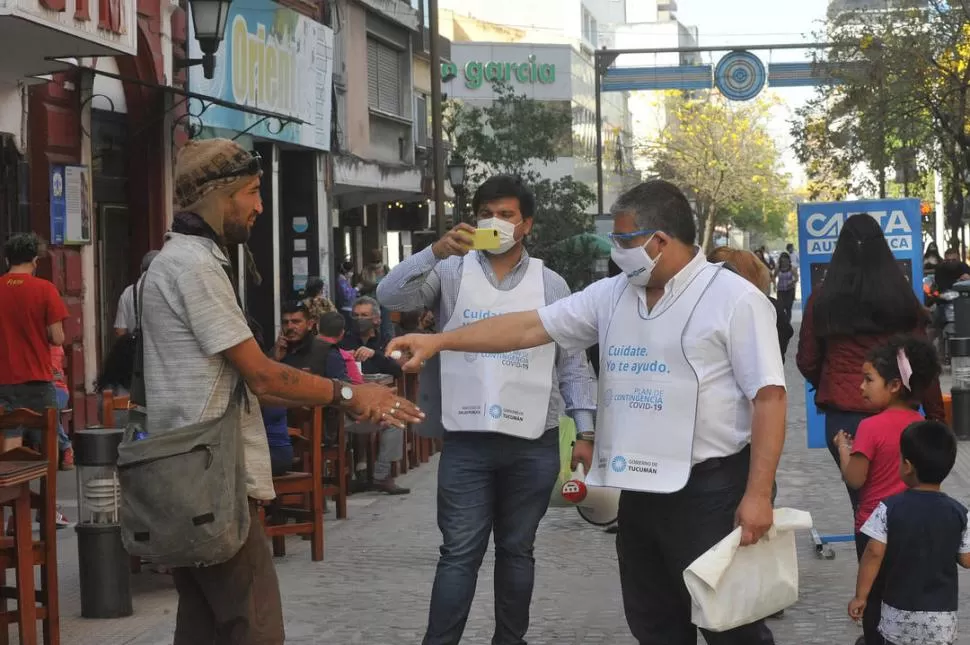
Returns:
(413, 350)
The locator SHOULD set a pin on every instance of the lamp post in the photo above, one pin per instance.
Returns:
(456, 175)
(209, 19)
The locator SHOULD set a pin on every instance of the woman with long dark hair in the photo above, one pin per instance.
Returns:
(864, 300)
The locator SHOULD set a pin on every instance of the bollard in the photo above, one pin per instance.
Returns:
(960, 361)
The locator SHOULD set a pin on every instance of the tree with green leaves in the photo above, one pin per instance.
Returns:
(722, 154)
(902, 100)
(516, 135)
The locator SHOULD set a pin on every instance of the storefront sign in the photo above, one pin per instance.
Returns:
(819, 226)
(276, 60)
(109, 24)
(477, 73)
(70, 209)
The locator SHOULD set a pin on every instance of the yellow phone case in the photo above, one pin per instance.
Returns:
(485, 239)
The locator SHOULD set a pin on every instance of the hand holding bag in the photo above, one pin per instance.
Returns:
(731, 585)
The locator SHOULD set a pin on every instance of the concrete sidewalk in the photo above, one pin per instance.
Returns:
(374, 585)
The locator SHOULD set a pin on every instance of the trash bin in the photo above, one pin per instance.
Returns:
(104, 565)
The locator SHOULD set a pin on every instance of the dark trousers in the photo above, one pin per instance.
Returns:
(281, 459)
(873, 612)
(236, 602)
(787, 301)
(835, 421)
(661, 535)
(489, 482)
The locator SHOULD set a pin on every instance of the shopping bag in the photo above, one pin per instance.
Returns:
(567, 436)
(731, 585)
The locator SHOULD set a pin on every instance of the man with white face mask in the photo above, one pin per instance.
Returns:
(501, 410)
(686, 348)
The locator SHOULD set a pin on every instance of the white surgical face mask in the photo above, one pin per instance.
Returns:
(506, 233)
(635, 263)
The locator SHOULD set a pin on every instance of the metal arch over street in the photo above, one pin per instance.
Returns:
(698, 77)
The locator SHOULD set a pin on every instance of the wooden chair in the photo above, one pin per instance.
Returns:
(45, 548)
(111, 404)
(299, 494)
(336, 465)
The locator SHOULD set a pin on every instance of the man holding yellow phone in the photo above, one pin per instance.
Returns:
(498, 413)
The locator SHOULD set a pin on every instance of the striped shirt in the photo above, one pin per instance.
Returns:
(424, 281)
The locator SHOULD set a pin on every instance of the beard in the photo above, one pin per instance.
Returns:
(236, 230)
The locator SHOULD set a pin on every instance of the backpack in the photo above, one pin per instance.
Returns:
(184, 500)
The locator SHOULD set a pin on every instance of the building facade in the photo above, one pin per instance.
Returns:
(561, 53)
(68, 126)
(274, 83)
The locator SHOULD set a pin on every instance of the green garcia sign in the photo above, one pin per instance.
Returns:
(477, 73)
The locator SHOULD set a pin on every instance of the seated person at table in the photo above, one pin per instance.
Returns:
(278, 437)
(365, 339)
(331, 330)
(299, 347)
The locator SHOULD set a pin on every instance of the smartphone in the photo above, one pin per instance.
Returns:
(485, 239)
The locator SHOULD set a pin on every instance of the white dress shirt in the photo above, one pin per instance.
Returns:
(731, 341)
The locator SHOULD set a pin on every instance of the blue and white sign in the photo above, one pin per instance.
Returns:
(819, 225)
(274, 59)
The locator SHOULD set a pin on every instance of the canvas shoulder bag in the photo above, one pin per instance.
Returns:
(183, 491)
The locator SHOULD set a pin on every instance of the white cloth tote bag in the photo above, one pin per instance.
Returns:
(731, 585)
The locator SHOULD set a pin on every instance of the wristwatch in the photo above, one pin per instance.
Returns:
(586, 436)
(342, 393)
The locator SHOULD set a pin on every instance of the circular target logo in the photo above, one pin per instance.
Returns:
(740, 76)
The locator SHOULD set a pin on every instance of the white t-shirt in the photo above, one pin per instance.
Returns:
(731, 340)
(125, 318)
(190, 316)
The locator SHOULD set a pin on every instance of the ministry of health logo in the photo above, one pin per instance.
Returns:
(607, 398)
(495, 411)
(618, 464)
(470, 357)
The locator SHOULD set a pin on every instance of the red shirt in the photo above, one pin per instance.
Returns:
(28, 306)
(877, 439)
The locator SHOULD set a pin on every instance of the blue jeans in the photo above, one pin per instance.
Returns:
(836, 420)
(63, 398)
(489, 482)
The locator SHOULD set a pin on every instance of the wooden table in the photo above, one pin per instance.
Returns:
(15, 478)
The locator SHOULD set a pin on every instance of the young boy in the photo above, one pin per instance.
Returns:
(929, 537)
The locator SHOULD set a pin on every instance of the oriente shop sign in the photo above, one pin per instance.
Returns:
(477, 73)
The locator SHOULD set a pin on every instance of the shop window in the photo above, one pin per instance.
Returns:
(384, 78)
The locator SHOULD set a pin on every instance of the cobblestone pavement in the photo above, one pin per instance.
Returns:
(374, 585)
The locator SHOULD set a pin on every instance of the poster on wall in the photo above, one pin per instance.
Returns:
(819, 225)
(70, 204)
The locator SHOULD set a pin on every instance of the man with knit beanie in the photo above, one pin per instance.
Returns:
(197, 345)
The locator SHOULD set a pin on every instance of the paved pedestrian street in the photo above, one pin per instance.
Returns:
(374, 584)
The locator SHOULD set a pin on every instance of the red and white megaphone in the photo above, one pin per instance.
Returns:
(598, 505)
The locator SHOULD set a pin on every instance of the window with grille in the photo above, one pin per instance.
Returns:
(384, 78)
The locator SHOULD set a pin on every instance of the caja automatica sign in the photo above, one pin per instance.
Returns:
(819, 226)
